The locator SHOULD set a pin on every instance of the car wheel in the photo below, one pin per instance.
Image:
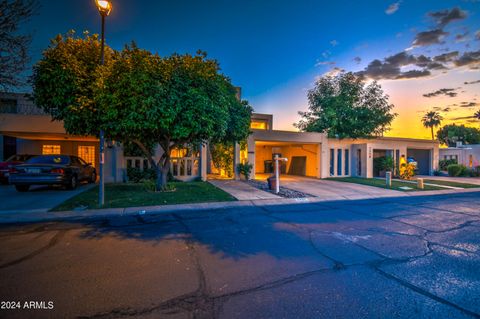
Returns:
(93, 178)
(22, 188)
(73, 182)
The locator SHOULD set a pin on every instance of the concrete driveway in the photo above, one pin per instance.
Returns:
(376, 258)
(37, 199)
(331, 190)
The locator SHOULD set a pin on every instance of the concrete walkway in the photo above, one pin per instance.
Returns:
(241, 190)
(467, 180)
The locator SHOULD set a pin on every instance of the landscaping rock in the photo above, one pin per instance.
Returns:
(284, 192)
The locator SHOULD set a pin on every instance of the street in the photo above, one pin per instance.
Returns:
(416, 257)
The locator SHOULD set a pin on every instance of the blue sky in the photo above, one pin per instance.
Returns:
(274, 50)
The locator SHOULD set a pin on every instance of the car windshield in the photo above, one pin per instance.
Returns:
(49, 159)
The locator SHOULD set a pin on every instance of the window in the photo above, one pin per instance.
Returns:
(451, 157)
(397, 161)
(179, 152)
(359, 162)
(8, 106)
(87, 153)
(347, 162)
(332, 162)
(75, 161)
(339, 162)
(259, 125)
(51, 149)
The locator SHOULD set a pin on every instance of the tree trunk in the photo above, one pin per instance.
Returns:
(162, 175)
(163, 167)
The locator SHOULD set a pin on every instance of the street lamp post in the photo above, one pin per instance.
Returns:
(104, 7)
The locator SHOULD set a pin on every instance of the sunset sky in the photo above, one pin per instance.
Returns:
(424, 53)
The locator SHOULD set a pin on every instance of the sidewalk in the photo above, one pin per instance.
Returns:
(466, 180)
(35, 216)
(241, 190)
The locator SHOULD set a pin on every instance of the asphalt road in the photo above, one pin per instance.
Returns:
(415, 257)
(38, 198)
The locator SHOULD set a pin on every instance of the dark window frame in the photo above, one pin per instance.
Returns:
(347, 162)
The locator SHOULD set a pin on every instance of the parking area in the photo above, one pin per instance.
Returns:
(38, 198)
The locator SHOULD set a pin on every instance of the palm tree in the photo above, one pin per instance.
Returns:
(477, 115)
(432, 119)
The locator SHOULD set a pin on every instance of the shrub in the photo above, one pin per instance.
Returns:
(407, 171)
(383, 163)
(245, 169)
(443, 164)
(149, 185)
(222, 157)
(136, 175)
(437, 172)
(169, 188)
(456, 170)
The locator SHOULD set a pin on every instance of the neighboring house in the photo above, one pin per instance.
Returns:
(468, 155)
(316, 155)
(25, 129)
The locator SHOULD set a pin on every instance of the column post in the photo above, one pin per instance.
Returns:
(236, 160)
(203, 161)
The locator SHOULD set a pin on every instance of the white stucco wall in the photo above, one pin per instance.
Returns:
(324, 145)
(468, 154)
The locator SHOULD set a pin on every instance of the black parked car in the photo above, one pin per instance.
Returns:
(52, 170)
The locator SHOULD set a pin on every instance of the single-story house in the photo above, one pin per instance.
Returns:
(468, 155)
(26, 129)
(316, 155)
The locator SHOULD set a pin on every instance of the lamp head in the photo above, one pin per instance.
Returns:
(104, 7)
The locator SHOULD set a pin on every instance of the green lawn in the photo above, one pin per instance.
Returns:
(131, 195)
(449, 183)
(376, 182)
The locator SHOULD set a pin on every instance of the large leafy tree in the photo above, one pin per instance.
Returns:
(431, 120)
(172, 101)
(67, 80)
(345, 106)
(13, 44)
(450, 134)
(139, 97)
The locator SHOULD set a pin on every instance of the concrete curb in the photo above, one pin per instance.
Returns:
(36, 216)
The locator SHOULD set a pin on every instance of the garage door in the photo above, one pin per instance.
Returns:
(423, 160)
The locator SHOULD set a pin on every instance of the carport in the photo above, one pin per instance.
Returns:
(302, 149)
(423, 158)
(302, 158)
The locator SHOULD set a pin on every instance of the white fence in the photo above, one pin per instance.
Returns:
(182, 168)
